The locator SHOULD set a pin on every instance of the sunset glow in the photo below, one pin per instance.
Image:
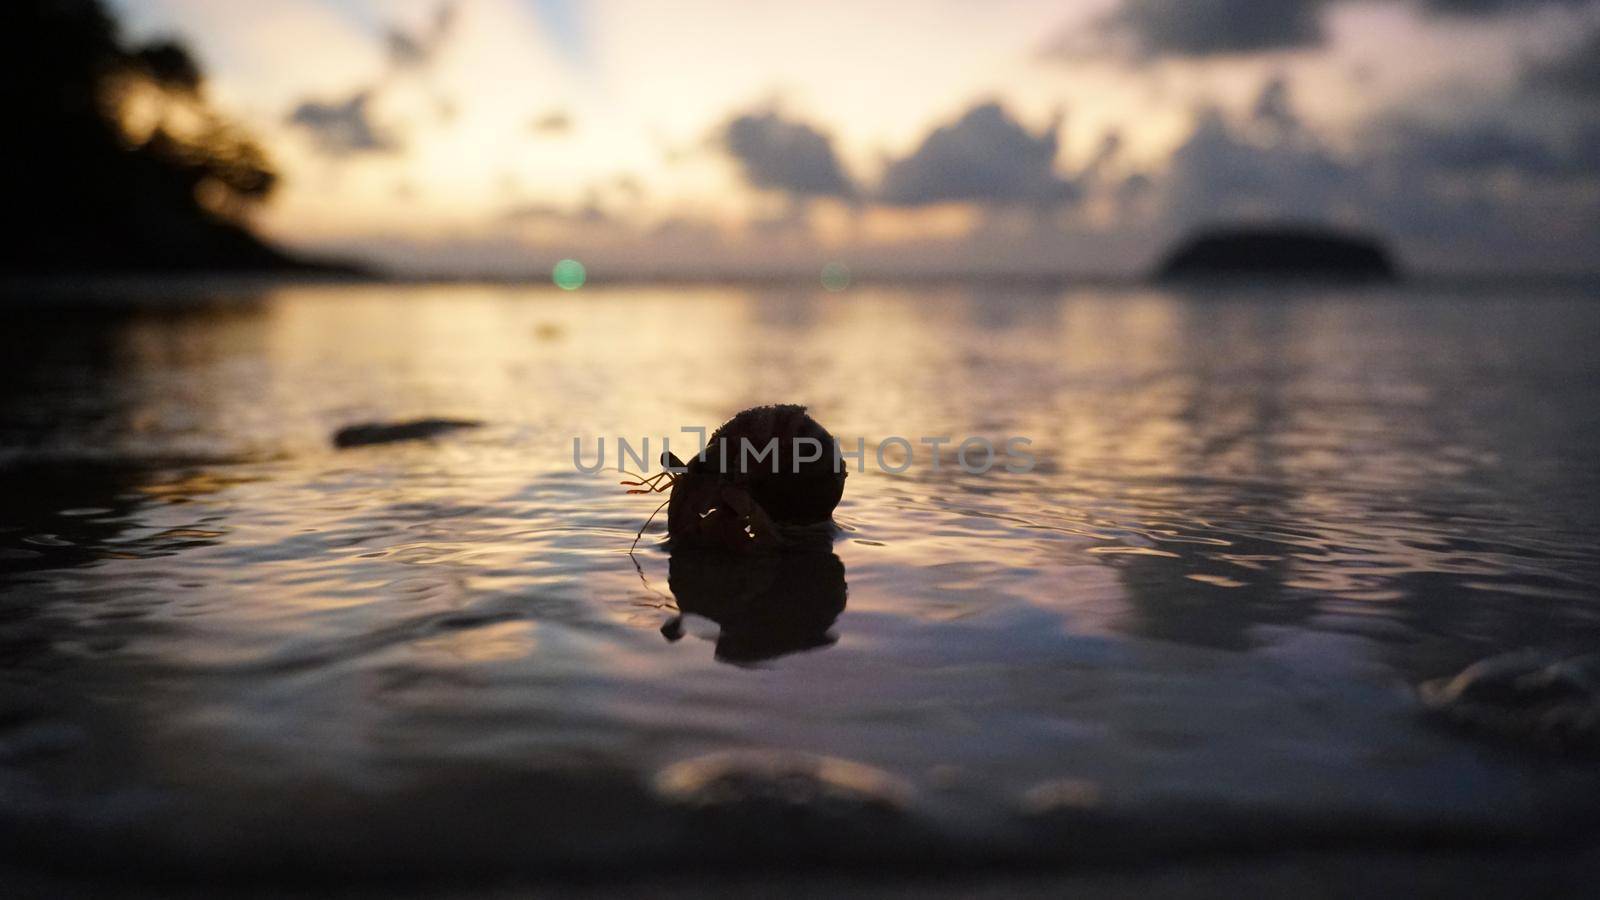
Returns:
(499, 135)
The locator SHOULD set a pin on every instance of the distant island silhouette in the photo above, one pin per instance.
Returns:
(1279, 251)
(116, 162)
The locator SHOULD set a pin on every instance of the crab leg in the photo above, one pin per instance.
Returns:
(652, 485)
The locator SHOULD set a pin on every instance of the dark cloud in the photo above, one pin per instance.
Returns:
(780, 154)
(984, 157)
(1577, 73)
(1478, 149)
(1205, 28)
(1492, 7)
(1486, 187)
(1584, 152)
(1270, 165)
(1286, 169)
(343, 128)
(1220, 171)
(1217, 27)
(1481, 192)
(1273, 163)
(1274, 107)
(404, 50)
(1109, 151)
(1445, 192)
(410, 50)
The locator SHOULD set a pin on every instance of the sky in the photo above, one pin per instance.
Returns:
(950, 137)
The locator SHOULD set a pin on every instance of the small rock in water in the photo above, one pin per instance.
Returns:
(1525, 697)
(1061, 794)
(786, 778)
(368, 433)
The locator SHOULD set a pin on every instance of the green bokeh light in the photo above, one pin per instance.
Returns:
(569, 275)
(835, 277)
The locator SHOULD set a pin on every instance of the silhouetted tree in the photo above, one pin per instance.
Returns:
(113, 159)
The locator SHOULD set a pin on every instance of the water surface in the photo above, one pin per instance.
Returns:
(1256, 520)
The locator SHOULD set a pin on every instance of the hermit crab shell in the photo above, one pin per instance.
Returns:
(765, 469)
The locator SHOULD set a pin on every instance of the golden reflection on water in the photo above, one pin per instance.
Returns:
(1205, 465)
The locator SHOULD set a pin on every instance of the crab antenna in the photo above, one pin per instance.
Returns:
(652, 485)
(646, 524)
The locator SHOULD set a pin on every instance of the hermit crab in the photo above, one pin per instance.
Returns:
(763, 476)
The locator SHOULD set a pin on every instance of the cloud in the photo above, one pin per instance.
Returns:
(1577, 73)
(1194, 28)
(1478, 149)
(552, 123)
(409, 50)
(984, 157)
(1584, 153)
(1491, 7)
(1275, 107)
(1270, 165)
(1206, 28)
(1221, 172)
(587, 214)
(346, 128)
(1446, 193)
(1273, 164)
(781, 154)
(1482, 191)
(343, 128)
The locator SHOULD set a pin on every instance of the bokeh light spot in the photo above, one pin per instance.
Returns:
(569, 275)
(835, 277)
